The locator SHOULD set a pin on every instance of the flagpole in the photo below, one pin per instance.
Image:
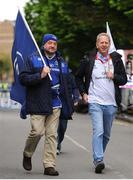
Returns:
(27, 26)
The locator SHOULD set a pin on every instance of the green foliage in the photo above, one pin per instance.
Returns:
(76, 23)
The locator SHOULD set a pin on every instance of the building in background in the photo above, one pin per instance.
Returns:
(6, 41)
(6, 37)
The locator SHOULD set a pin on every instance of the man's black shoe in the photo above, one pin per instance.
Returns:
(51, 171)
(27, 163)
(58, 152)
(58, 149)
(99, 166)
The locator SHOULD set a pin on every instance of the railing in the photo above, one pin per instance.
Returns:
(6, 102)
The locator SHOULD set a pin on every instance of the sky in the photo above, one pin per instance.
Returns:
(9, 8)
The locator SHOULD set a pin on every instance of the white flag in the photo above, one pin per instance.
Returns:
(112, 46)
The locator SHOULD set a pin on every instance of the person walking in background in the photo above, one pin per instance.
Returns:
(98, 80)
(44, 99)
(63, 121)
(127, 93)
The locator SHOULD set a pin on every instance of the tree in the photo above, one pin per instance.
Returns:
(77, 23)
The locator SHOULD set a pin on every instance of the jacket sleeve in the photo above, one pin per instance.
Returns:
(30, 77)
(80, 77)
(75, 91)
(120, 77)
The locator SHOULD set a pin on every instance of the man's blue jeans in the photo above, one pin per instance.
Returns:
(102, 117)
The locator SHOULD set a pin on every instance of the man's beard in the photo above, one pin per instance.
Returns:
(50, 54)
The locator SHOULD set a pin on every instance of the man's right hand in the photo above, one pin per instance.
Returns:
(45, 71)
(85, 97)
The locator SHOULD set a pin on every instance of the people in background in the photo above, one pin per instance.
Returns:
(62, 120)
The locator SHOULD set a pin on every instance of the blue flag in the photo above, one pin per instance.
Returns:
(23, 46)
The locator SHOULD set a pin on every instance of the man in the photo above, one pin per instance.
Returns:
(62, 127)
(44, 99)
(98, 79)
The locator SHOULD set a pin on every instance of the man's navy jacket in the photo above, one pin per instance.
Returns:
(38, 91)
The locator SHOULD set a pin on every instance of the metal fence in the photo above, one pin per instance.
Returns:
(6, 102)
